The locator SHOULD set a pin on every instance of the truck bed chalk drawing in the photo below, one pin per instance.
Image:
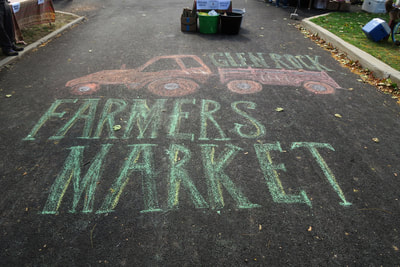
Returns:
(179, 75)
(247, 81)
(181, 78)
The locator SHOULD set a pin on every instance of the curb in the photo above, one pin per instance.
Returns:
(46, 38)
(380, 69)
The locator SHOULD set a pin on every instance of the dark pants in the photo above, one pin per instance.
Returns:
(7, 37)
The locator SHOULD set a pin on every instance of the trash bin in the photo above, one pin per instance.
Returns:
(230, 23)
(241, 11)
(207, 23)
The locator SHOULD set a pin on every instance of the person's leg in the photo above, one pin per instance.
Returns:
(5, 42)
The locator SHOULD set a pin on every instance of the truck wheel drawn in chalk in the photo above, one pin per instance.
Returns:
(185, 72)
(247, 81)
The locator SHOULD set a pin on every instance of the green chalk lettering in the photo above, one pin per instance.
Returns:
(146, 167)
(176, 118)
(216, 177)
(294, 61)
(315, 62)
(259, 128)
(312, 147)
(50, 113)
(72, 171)
(145, 118)
(231, 60)
(219, 62)
(179, 156)
(89, 106)
(300, 59)
(206, 115)
(258, 60)
(242, 59)
(111, 109)
(271, 175)
(279, 64)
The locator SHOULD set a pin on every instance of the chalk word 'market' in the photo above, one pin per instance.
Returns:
(139, 164)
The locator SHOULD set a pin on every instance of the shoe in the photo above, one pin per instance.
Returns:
(16, 48)
(10, 52)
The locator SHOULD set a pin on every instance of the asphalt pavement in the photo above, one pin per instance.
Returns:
(128, 142)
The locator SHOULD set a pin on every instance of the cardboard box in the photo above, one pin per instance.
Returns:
(333, 5)
(376, 30)
(188, 24)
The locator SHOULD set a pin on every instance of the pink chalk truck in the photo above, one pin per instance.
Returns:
(247, 81)
(179, 75)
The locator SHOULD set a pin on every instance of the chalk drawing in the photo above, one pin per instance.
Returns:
(85, 89)
(244, 86)
(179, 156)
(110, 110)
(260, 129)
(72, 171)
(177, 80)
(176, 118)
(50, 113)
(173, 87)
(248, 81)
(145, 118)
(132, 164)
(206, 115)
(264, 60)
(271, 175)
(86, 112)
(139, 167)
(180, 75)
(216, 177)
(312, 147)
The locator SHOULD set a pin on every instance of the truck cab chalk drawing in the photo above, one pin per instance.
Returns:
(181, 74)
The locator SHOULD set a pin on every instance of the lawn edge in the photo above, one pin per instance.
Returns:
(50, 36)
(379, 68)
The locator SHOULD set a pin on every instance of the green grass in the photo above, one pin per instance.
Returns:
(348, 26)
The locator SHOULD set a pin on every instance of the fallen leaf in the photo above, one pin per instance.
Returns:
(260, 227)
(279, 109)
(376, 140)
(117, 127)
(351, 89)
(395, 248)
(8, 96)
(309, 229)
(337, 115)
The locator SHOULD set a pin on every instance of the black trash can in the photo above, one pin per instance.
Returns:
(230, 23)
